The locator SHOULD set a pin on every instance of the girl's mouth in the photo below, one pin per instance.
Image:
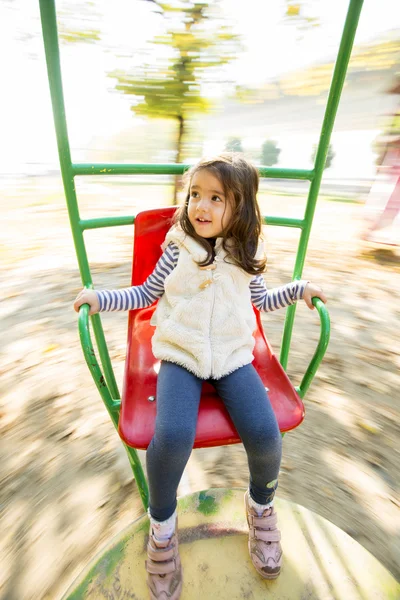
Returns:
(202, 221)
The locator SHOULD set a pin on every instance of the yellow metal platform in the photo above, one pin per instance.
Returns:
(321, 562)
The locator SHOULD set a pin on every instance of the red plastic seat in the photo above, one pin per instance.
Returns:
(138, 410)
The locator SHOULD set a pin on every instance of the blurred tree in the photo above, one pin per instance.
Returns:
(78, 21)
(367, 63)
(270, 153)
(329, 157)
(234, 144)
(298, 12)
(196, 44)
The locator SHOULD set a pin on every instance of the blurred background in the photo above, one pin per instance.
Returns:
(147, 81)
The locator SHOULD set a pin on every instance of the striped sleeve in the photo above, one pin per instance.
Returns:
(268, 300)
(140, 296)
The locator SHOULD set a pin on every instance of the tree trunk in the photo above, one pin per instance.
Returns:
(178, 178)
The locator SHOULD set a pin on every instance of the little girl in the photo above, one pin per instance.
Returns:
(206, 281)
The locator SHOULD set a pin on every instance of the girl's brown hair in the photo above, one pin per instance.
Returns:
(240, 180)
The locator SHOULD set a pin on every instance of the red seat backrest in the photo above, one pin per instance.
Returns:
(138, 410)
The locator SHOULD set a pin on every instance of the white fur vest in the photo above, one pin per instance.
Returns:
(204, 320)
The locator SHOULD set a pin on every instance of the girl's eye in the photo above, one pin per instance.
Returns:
(216, 199)
(194, 194)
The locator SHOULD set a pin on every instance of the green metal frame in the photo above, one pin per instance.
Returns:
(106, 384)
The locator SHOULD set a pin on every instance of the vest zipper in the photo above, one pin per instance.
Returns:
(212, 312)
(206, 283)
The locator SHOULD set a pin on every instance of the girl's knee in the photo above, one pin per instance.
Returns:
(174, 440)
(265, 441)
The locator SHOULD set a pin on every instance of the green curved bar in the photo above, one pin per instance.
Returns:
(112, 405)
(91, 361)
(321, 348)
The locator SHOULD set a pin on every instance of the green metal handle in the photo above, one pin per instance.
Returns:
(321, 348)
(112, 405)
(91, 361)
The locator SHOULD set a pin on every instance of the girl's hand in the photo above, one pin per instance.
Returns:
(310, 292)
(87, 297)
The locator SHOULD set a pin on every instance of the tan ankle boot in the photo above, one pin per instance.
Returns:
(264, 541)
(164, 568)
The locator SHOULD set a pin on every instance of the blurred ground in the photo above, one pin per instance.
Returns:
(65, 483)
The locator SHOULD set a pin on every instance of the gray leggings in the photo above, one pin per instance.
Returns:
(178, 398)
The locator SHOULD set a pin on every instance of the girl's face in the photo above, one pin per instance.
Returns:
(209, 210)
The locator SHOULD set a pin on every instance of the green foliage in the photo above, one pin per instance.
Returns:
(195, 43)
(329, 157)
(86, 16)
(366, 64)
(299, 13)
(234, 144)
(270, 153)
(75, 37)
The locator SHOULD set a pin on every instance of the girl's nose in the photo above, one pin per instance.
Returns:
(202, 205)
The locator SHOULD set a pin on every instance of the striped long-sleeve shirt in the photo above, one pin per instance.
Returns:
(152, 289)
